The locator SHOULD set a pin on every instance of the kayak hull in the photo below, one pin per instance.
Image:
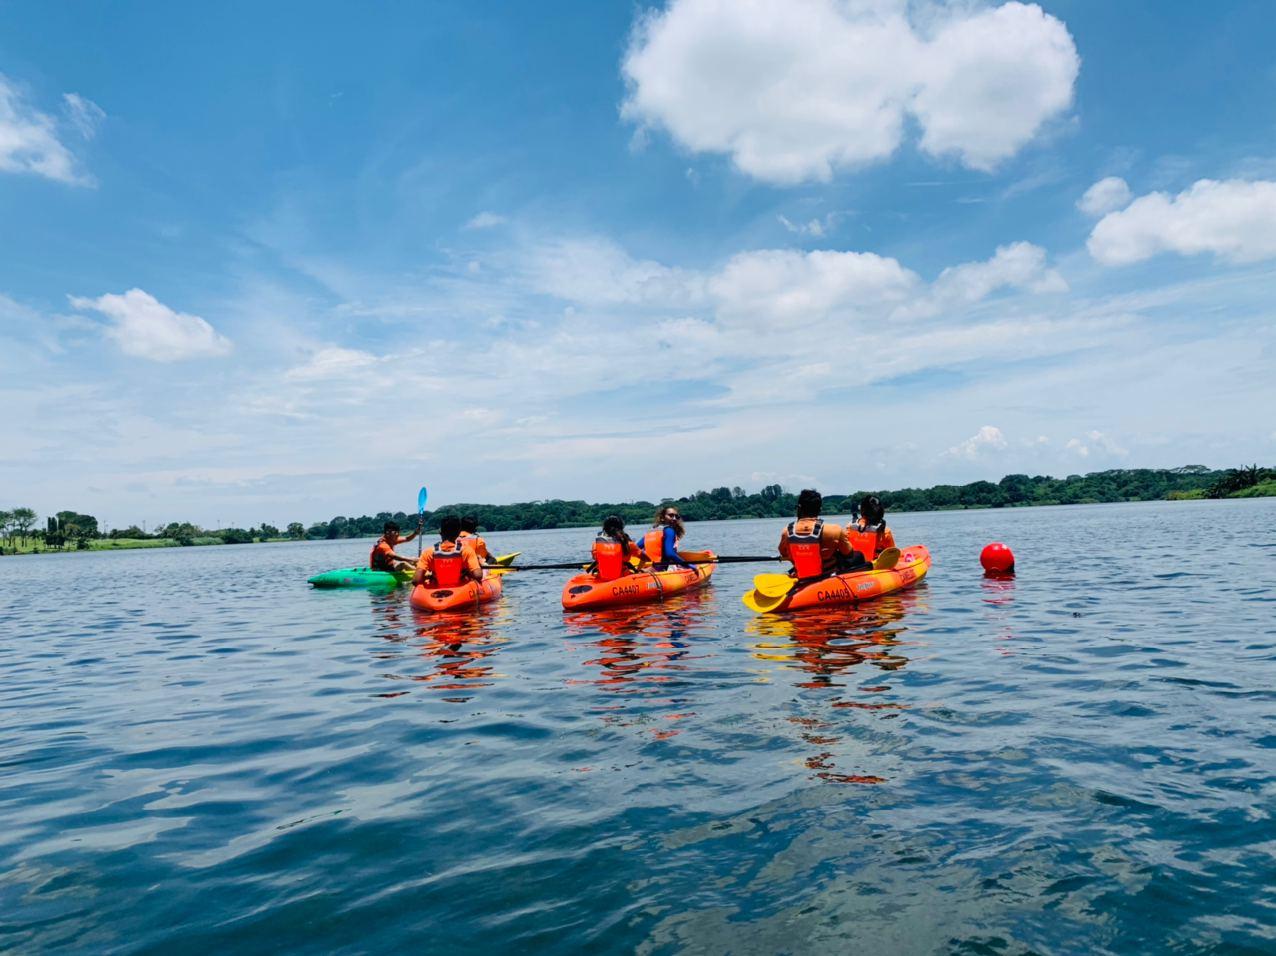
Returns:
(914, 562)
(360, 578)
(463, 597)
(586, 591)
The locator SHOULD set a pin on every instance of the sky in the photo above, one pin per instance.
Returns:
(276, 262)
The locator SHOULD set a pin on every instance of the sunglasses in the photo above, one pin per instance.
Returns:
(674, 515)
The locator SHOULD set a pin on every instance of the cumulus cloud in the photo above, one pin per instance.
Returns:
(794, 89)
(143, 326)
(29, 140)
(785, 288)
(1019, 265)
(1234, 219)
(988, 439)
(1105, 196)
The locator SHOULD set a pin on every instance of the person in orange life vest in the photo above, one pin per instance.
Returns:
(869, 535)
(383, 557)
(469, 538)
(615, 553)
(817, 548)
(448, 563)
(660, 544)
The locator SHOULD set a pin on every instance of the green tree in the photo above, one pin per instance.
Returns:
(296, 530)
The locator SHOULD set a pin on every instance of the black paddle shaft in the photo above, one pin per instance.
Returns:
(728, 559)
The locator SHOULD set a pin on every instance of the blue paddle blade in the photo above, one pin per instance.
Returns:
(420, 501)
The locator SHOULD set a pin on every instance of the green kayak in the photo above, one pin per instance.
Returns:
(367, 578)
(360, 578)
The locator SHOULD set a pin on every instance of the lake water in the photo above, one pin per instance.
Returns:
(200, 753)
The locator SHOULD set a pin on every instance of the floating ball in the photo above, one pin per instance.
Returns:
(997, 559)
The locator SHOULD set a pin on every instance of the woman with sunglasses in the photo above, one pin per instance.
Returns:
(660, 544)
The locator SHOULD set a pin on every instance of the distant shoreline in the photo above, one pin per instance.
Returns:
(146, 544)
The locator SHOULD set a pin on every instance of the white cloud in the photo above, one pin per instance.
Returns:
(785, 288)
(988, 439)
(332, 362)
(815, 228)
(143, 326)
(85, 115)
(793, 89)
(1105, 196)
(486, 220)
(989, 80)
(597, 271)
(1019, 265)
(1234, 219)
(1095, 442)
(29, 140)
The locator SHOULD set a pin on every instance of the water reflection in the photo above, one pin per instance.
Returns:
(825, 647)
(644, 653)
(457, 649)
(998, 599)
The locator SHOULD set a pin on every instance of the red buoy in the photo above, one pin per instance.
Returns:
(997, 559)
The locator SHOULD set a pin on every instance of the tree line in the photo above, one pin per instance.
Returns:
(71, 529)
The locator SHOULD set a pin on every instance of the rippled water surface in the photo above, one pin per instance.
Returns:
(198, 752)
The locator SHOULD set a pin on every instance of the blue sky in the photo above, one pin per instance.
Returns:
(276, 262)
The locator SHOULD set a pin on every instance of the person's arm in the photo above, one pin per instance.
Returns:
(841, 543)
(671, 550)
(473, 565)
(423, 568)
(784, 544)
(407, 538)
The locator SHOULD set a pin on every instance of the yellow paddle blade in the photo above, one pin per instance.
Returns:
(772, 585)
(886, 560)
(508, 558)
(760, 603)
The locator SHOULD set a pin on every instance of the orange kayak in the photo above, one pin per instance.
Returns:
(850, 588)
(463, 597)
(585, 590)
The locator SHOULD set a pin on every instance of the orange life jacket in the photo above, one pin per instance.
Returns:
(867, 542)
(610, 555)
(449, 565)
(379, 559)
(653, 544)
(804, 550)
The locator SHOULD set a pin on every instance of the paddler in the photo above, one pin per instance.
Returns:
(615, 553)
(383, 556)
(869, 534)
(470, 539)
(660, 544)
(448, 563)
(817, 548)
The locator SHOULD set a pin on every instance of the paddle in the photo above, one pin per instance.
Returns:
(503, 564)
(728, 559)
(420, 517)
(778, 585)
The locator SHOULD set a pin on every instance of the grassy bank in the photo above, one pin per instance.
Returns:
(34, 546)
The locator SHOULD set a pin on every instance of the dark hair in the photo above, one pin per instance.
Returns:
(679, 529)
(809, 503)
(390, 526)
(469, 523)
(449, 528)
(871, 509)
(614, 528)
